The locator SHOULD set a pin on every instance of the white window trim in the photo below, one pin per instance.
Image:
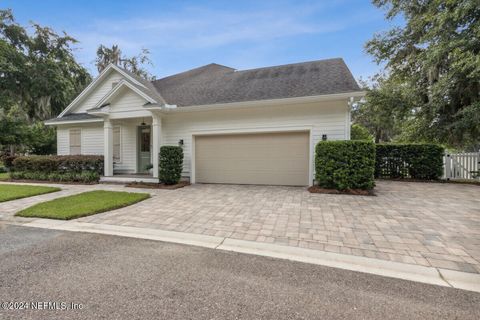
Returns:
(70, 143)
(120, 142)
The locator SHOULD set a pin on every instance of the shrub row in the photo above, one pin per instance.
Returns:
(170, 164)
(59, 164)
(85, 177)
(7, 160)
(411, 161)
(345, 165)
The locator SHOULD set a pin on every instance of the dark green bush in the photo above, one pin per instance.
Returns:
(7, 160)
(84, 177)
(345, 165)
(78, 168)
(409, 161)
(171, 164)
(59, 164)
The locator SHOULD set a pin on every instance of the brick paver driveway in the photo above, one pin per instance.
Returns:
(430, 224)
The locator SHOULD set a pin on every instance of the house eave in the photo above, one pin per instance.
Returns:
(55, 123)
(268, 102)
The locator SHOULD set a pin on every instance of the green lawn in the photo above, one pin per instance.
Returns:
(4, 176)
(11, 191)
(83, 204)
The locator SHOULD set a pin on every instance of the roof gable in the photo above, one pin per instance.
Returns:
(102, 85)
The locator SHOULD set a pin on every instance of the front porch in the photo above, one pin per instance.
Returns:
(131, 148)
(128, 178)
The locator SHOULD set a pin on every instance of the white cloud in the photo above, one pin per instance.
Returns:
(197, 29)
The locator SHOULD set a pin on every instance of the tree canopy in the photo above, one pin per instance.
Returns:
(136, 64)
(38, 72)
(435, 55)
(39, 77)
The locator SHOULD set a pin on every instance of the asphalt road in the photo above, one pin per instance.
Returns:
(122, 278)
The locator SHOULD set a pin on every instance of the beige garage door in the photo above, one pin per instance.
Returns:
(267, 158)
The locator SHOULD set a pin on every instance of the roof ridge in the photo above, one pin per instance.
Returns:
(195, 69)
(291, 64)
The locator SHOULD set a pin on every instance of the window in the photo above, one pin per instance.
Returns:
(75, 141)
(116, 144)
(145, 140)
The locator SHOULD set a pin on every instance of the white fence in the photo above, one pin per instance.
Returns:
(461, 165)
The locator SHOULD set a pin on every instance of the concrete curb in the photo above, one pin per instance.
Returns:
(132, 232)
(428, 275)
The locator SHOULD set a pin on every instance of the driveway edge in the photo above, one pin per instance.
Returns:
(428, 275)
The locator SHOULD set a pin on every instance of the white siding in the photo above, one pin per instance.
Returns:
(63, 146)
(92, 139)
(91, 135)
(128, 148)
(127, 100)
(98, 93)
(328, 118)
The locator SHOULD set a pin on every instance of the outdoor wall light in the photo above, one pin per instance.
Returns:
(324, 137)
(180, 142)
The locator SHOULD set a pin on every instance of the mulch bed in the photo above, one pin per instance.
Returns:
(147, 185)
(48, 181)
(354, 192)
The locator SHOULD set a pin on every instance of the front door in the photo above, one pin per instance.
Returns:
(144, 135)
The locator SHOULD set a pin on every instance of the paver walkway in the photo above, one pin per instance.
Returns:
(429, 224)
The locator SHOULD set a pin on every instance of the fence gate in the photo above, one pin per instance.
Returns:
(461, 165)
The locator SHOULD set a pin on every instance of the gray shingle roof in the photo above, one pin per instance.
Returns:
(214, 83)
(151, 90)
(73, 117)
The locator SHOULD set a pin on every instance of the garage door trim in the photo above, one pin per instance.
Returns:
(307, 129)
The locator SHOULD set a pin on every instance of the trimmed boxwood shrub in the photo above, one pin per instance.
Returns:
(85, 177)
(345, 165)
(59, 164)
(78, 168)
(409, 161)
(171, 164)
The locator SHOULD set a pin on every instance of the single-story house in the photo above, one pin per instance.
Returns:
(256, 126)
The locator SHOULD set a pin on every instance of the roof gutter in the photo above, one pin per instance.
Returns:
(55, 123)
(270, 102)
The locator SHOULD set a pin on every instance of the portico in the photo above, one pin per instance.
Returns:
(132, 146)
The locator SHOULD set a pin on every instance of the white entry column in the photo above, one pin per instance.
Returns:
(108, 147)
(156, 141)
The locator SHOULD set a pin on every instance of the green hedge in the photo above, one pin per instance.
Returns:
(345, 165)
(171, 164)
(59, 164)
(85, 177)
(409, 161)
(7, 160)
(78, 168)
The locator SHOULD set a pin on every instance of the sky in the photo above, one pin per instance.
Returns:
(182, 35)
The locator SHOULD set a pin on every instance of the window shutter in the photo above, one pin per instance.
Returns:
(75, 141)
(116, 144)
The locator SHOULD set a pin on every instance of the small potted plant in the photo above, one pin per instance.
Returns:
(149, 167)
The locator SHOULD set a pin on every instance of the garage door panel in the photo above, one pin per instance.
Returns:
(267, 158)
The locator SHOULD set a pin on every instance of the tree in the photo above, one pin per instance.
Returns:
(38, 72)
(41, 139)
(436, 54)
(359, 132)
(135, 64)
(386, 107)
